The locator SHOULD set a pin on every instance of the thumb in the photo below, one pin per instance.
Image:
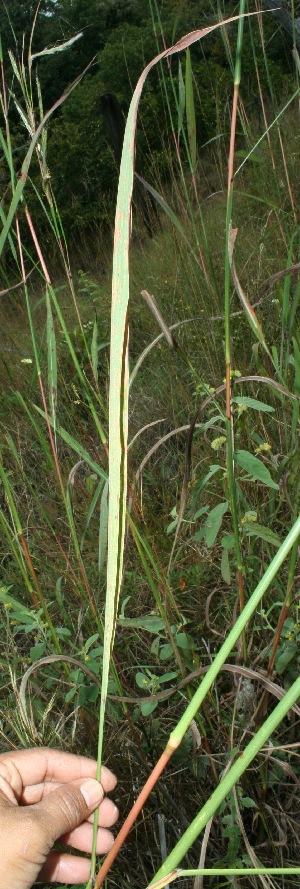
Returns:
(67, 807)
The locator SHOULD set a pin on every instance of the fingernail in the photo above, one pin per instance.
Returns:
(92, 792)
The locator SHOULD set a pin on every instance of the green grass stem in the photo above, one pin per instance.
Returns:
(181, 873)
(228, 782)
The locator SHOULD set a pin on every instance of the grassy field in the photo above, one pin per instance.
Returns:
(204, 492)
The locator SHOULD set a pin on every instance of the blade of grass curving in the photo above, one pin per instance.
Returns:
(144, 429)
(189, 159)
(152, 305)
(249, 311)
(169, 212)
(271, 687)
(75, 445)
(152, 345)
(253, 149)
(118, 392)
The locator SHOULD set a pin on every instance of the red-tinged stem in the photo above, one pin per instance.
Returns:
(134, 812)
(37, 246)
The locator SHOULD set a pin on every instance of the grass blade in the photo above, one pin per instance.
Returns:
(52, 363)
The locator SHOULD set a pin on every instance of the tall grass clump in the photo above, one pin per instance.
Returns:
(150, 511)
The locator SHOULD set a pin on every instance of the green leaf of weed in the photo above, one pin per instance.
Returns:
(151, 624)
(147, 707)
(253, 403)
(142, 681)
(286, 657)
(253, 529)
(255, 468)
(214, 521)
(225, 569)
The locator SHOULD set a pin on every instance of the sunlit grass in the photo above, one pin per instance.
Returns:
(171, 597)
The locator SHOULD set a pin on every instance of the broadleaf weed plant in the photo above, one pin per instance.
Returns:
(207, 584)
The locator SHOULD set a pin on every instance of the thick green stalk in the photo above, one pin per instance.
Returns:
(234, 774)
(179, 873)
(249, 609)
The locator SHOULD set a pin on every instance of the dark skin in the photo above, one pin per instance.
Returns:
(45, 796)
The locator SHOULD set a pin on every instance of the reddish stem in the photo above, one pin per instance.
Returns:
(134, 812)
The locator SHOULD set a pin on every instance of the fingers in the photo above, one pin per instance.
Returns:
(42, 764)
(66, 808)
(81, 839)
(32, 772)
(108, 814)
(108, 811)
(58, 794)
(10, 782)
(35, 792)
(63, 868)
(60, 868)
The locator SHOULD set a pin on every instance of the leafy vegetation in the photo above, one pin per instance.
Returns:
(177, 594)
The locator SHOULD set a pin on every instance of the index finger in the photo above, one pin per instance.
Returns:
(41, 764)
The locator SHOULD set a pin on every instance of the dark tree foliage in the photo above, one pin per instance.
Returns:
(118, 36)
(114, 121)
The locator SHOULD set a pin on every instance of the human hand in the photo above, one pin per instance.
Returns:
(46, 795)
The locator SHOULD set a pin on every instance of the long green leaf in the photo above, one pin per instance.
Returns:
(118, 392)
(169, 212)
(74, 445)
